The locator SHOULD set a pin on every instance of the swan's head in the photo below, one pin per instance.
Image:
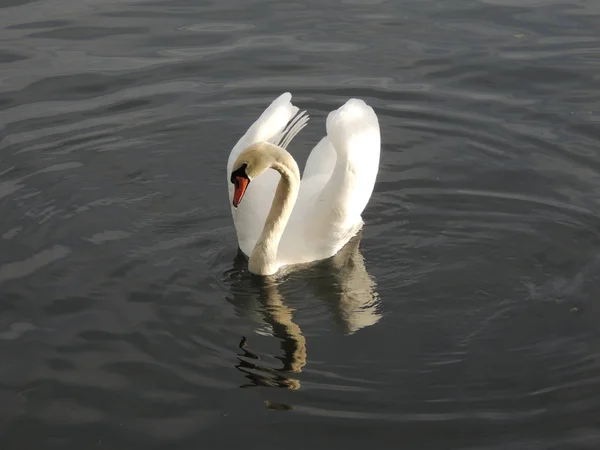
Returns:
(251, 163)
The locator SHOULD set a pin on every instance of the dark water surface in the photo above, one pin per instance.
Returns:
(466, 315)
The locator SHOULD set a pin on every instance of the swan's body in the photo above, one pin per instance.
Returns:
(284, 219)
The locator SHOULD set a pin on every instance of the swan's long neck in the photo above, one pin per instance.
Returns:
(263, 260)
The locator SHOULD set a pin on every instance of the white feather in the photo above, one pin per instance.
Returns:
(336, 186)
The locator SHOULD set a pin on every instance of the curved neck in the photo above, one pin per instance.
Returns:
(263, 260)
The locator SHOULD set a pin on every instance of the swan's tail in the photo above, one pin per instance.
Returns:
(294, 126)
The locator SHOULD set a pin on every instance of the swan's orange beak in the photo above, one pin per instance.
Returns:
(241, 183)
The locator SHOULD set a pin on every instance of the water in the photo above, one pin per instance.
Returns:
(465, 316)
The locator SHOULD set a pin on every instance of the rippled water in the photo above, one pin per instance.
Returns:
(466, 315)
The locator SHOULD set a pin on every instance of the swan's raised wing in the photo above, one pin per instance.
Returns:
(279, 123)
(338, 180)
(354, 132)
(336, 186)
(321, 160)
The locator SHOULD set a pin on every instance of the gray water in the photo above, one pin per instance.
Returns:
(465, 316)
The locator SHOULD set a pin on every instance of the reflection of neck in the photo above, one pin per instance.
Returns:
(263, 260)
(281, 319)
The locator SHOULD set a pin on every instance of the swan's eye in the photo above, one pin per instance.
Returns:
(241, 172)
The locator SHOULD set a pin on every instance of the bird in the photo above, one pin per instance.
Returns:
(283, 219)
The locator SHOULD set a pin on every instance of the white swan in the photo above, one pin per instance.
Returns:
(284, 220)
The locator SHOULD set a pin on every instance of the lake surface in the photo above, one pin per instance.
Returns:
(465, 316)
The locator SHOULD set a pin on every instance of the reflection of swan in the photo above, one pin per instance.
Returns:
(348, 289)
(309, 219)
(293, 344)
(342, 282)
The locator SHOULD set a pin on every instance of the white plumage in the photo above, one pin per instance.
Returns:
(335, 188)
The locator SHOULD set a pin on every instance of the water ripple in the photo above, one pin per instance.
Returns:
(467, 307)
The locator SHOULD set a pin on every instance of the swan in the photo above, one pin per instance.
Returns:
(283, 219)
